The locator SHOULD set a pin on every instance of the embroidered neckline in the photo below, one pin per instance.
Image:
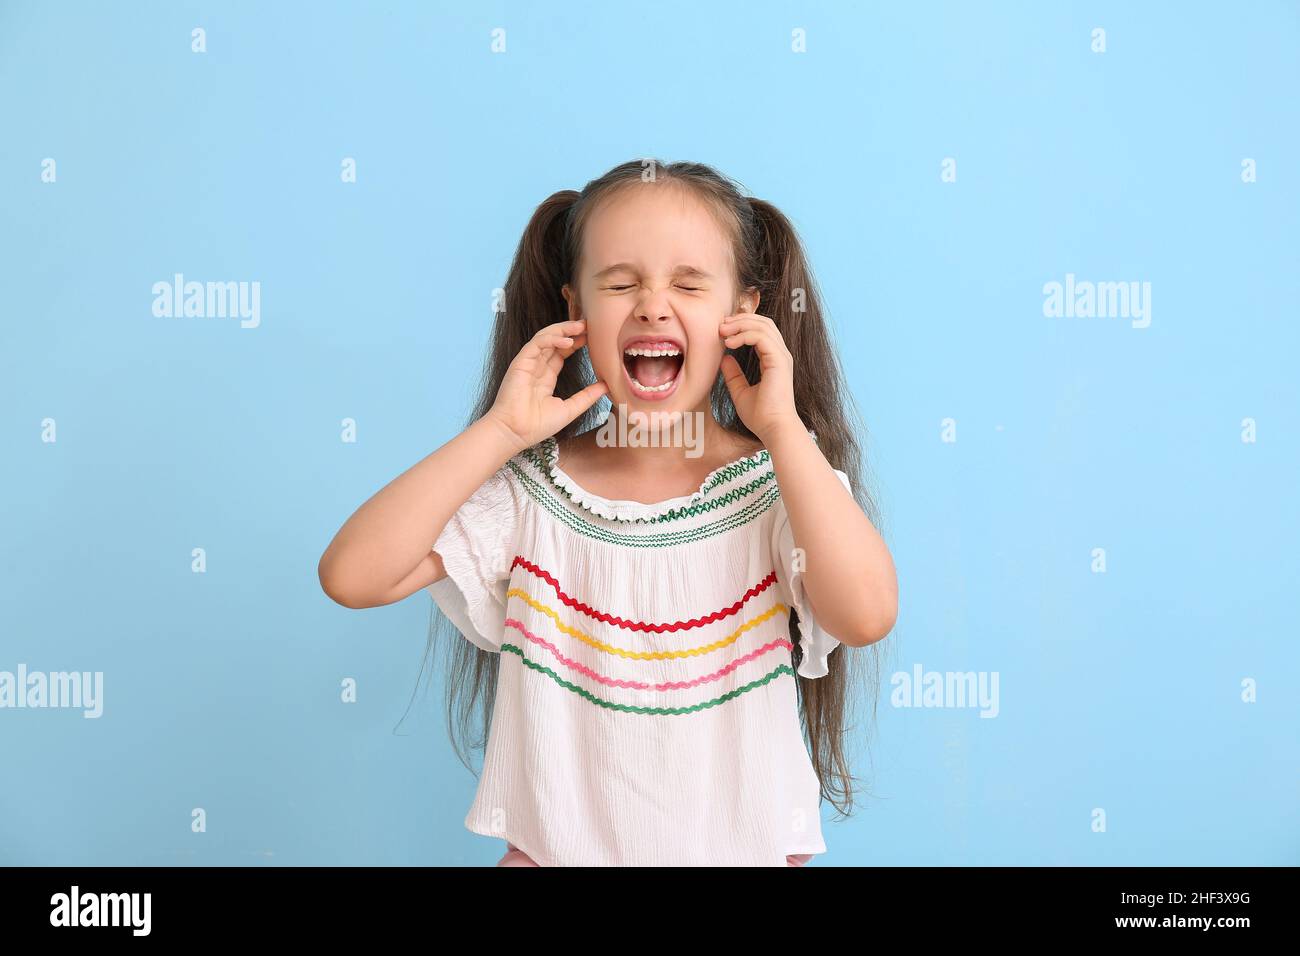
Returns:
(626, 510)
(557, 504)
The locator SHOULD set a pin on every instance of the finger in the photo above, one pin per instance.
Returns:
(578, 341)
(735, 323)
(771, 347)
(543, 346)
(754, 337)
(572, 327)
(749, 315)
(733, 328)
(561, 355)
(542, 337)
(734, 377)
(579, 402)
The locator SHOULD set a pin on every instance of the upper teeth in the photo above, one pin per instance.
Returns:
(652, 350)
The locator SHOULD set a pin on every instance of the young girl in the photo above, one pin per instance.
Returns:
(650, 629)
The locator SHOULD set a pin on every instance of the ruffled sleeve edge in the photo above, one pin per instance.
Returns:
(475, 622)
(472, 594)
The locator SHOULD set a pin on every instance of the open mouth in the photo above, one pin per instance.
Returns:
(653, 367)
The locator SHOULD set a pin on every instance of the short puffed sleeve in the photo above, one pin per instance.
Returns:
(477, 548)
(817, 643)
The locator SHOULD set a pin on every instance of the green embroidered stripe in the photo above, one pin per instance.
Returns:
(667, 539)
(734, 495)
(662, 540)
(726, 474)
(736, 468)
(656, 711)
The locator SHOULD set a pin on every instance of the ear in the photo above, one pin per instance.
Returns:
(575, 307)
(749, 301)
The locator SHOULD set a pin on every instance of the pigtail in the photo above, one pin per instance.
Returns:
(790, 296)
(543, 263)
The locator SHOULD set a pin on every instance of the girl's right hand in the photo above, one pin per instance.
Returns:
(526, 404)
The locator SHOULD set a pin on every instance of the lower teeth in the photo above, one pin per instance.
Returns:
(653, 388)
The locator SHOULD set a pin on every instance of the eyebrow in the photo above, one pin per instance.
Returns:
(681, 270)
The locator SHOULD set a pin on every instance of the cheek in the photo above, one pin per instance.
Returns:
(603, 351)
(705, 351)
(704, 341)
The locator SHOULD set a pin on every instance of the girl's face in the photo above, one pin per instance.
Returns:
(655, 281)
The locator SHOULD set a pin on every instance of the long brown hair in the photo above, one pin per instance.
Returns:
(767, 255)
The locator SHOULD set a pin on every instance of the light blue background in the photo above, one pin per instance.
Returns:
(1118, 690)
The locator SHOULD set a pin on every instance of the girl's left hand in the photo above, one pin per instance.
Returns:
(769, 404)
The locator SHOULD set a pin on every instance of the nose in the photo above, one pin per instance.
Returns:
(653, 309)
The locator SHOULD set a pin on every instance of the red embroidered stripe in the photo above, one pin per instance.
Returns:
(756, 590)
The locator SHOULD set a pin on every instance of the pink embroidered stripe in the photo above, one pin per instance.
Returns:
(643, 685)
(752, 592)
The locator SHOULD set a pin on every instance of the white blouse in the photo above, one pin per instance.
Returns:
(646, 712)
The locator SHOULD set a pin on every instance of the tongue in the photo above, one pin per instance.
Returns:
(652, 370)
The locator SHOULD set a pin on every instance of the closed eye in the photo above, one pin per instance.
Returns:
(688, 288)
